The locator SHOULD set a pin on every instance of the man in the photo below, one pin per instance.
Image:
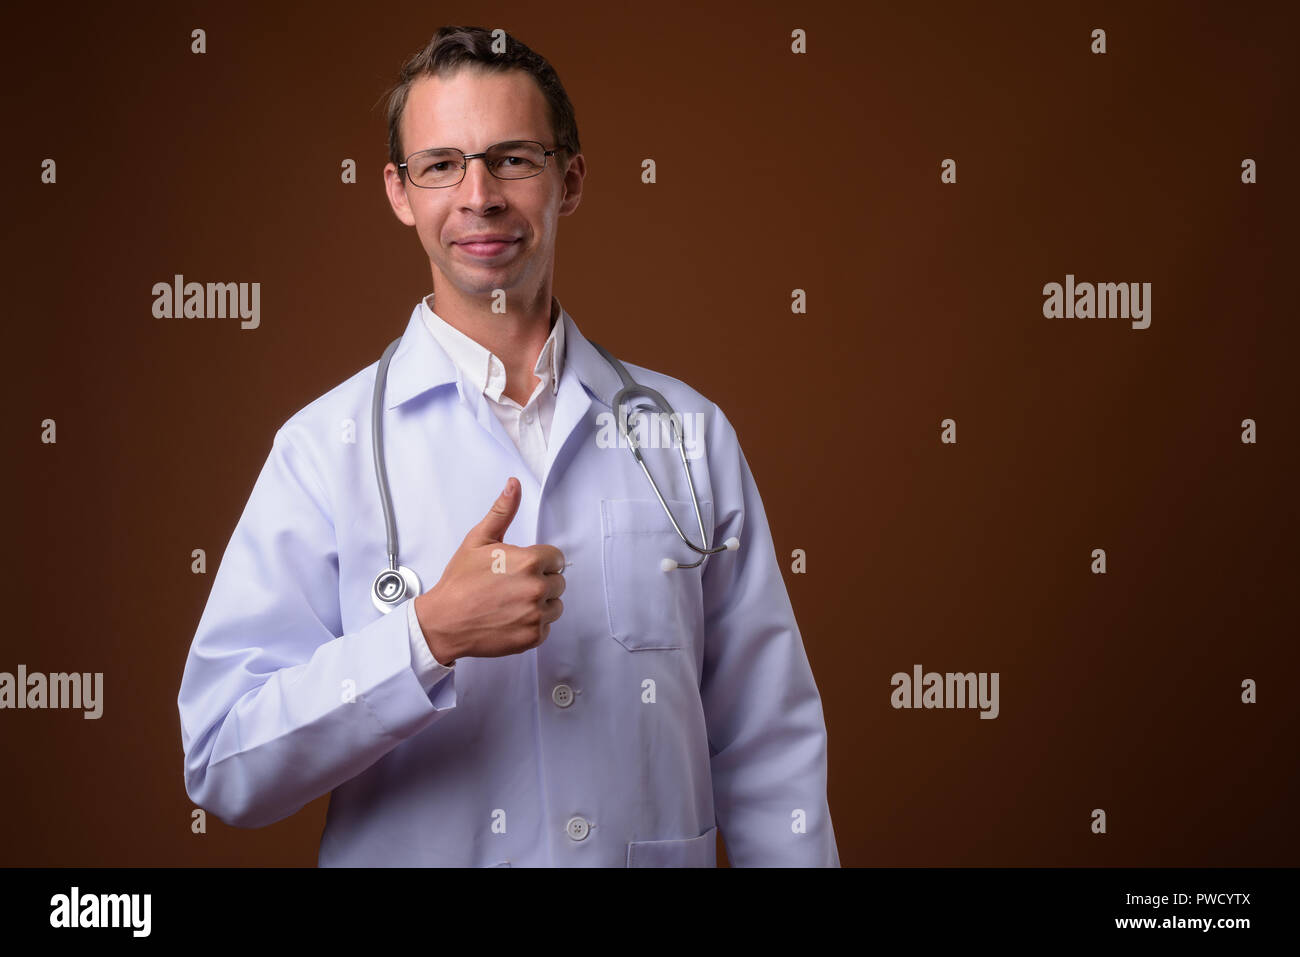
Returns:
(485, 722)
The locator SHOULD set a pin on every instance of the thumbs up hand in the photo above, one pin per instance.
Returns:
(486, 605)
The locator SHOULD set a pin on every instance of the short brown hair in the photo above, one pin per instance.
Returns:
(454, 47)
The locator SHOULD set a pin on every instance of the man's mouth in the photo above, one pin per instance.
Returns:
(487, 250)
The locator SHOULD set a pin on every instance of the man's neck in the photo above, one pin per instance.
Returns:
(515, 337)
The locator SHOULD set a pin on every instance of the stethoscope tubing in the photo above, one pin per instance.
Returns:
(396, 582)
(377, 446)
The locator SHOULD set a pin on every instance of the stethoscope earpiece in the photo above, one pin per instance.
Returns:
(668, 564)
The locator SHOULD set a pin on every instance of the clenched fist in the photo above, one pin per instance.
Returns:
(486, 605)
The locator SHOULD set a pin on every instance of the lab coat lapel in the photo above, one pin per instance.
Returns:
(492, 425)
(585, 379)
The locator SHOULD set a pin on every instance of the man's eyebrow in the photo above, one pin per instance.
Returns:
(512, 139)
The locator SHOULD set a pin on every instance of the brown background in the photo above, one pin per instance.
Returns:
(1119, 691)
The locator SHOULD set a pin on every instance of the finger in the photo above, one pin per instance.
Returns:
(494, 525)
(550, 560)
(555, 586)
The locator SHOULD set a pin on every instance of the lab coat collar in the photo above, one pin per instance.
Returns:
(420, 364)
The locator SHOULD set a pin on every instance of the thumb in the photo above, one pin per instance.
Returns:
(498, 519)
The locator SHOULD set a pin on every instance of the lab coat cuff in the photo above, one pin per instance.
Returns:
(387, 683)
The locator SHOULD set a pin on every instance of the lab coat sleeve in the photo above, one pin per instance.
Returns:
(767, 733)
(277, 705)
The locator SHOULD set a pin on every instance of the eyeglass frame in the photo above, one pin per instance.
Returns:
(464, 167)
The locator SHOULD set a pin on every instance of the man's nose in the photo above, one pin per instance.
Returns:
(479, 183)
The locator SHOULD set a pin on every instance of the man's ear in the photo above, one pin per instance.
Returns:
(395, 188)
(573, 177)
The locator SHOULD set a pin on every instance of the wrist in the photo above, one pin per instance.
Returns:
(438, 643)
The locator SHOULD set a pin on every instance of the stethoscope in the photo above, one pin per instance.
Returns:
(396, 583)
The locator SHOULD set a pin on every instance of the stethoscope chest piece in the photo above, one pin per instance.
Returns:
(393, 586)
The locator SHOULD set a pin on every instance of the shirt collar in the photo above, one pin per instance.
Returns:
(419, 364)
(485, 371)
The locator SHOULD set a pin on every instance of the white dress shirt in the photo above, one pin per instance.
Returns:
(529, 427)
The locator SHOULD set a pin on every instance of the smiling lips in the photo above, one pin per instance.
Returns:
(487, 246)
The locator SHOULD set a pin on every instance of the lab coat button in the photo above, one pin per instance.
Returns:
(577, 828)
(562, 695)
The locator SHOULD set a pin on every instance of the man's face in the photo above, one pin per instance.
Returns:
(471, 111)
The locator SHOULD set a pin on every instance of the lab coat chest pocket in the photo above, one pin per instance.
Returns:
(649, 608)
(699, 851)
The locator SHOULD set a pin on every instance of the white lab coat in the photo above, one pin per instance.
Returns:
(690, 702)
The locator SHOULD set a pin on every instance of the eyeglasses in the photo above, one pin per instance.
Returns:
(440, 168)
